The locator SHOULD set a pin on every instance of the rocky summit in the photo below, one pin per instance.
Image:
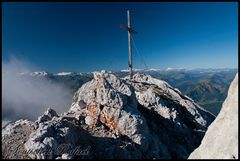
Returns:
(142, 118)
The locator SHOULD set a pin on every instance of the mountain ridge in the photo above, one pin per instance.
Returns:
(208, 87)
(141, 118)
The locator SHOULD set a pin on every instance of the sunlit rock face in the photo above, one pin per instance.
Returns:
(144, 109)
(221, 139)
(112, 102)
(142, 118)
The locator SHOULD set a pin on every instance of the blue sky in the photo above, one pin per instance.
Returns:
(86, 36)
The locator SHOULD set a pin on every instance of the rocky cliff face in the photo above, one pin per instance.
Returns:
(221, 139)
(117, 118)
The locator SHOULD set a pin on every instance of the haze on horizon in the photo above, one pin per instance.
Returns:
(57, 36)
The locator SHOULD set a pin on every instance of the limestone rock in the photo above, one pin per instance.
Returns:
(12, 127)
(66, 156)
(112, 102)
(176, 120)
(143, 118)
(43, 142)
(221, 138)
(141, 108)
(158, 95)
(48, 115)
(14, 135)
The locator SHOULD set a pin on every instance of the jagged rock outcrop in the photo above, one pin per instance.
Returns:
(158, 95)
(112, 102)
(48, 115)
(221, 139)
(119, 118)
(175, 119)
(49, 135)
(174, 122)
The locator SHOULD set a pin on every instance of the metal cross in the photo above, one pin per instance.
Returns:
(130, 31)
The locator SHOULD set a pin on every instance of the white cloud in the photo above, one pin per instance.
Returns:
(26, 97)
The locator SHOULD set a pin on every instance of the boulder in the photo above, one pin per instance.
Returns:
(48, 115)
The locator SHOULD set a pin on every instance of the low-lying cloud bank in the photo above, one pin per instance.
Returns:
(27, 97)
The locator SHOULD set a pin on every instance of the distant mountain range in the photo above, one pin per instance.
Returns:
(207, 87)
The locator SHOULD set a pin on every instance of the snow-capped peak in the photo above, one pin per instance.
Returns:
(39, 73)
(65, 73)
(153, 69)
(134, 69)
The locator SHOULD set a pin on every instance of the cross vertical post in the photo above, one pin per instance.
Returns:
(130, 32)
(129, 45)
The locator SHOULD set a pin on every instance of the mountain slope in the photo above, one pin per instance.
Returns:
(143, 118)
(221, 139)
